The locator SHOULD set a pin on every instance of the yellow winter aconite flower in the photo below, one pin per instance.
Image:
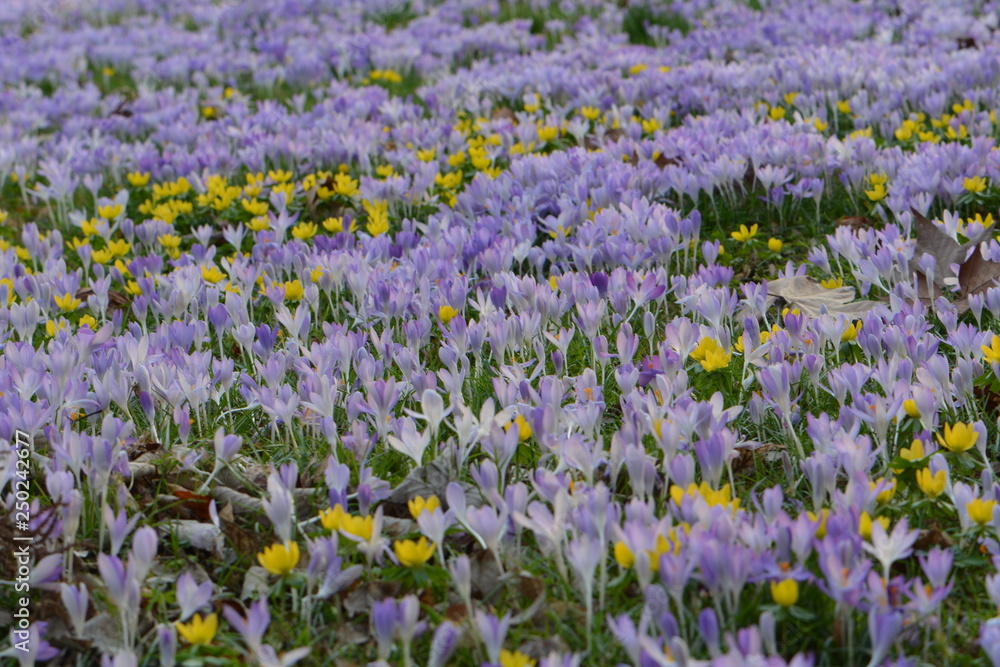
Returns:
(650, 126)
(212, 274)
(865, 525)
(932, 485)
(906, 131)
(447, 313)
(637, 69)
(832, 283)
(359, 526)
(843, 106)
(334, 225)
(294, 290)
(776, 113)
(254, 207)
(169, 241)
(208, 112)
(11, 294)
(711, 355)
(745, 234)
(822, 519)
(427, 154)
(915, 452)
(722, 497)
(910, 406)
(418, 505)
(975, 184)
(992, 352)
(52, 327)
(878, 191)
(120, 247)
(775, 245)
(279, 176)
(305, 230)
(886, 494)
(515, 659)
(958, 437)
(110, 212)
(176, 188)
(449, 180)
(280, 558)
(137, 179)
(413, 554)
(387, 75)
(547, 133)
(981, 511)
(962, 132)
(333, 518)
(966, 105)
(851, 332)
(590, 113)
(785, 592)
(716, 359)
(101, 256)
(198, 630)
(378, 217)
(623, 555)
(259, 224)
(67, 302)
(524, 430)
(89, 322)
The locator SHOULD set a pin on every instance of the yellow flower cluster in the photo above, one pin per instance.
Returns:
(711, 355)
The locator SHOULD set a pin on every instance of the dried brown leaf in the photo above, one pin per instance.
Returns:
(255, 583)
(935, 537)
(934, 241)
(485, 575)
(977, 274)
(855, 222)
(813, 299)
(198, 534)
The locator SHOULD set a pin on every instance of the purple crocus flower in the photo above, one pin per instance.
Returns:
(251, 627)
(443, 644)
(936, 565)
(192, 596)
(166, 641)
(385, 619)
(493, 632)
(883, 628)
(75, 600)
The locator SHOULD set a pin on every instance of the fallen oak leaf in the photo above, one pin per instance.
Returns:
(194, 504)
(934, 241)
(255, 583)
(855, 222)
(814, 300)
(200, 535)
(977, 274)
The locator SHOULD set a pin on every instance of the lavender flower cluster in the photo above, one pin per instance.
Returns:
(444, 332)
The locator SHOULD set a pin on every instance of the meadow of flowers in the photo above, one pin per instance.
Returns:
(499, 332)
